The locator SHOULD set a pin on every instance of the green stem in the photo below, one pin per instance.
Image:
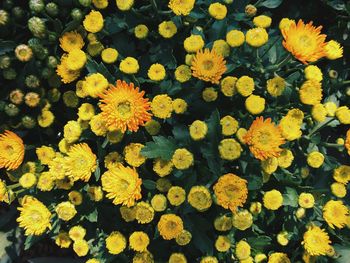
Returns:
(284, 61)
(154, 5)
(318, 127)
(135, 80)
(13, 186)
(267, 50)
(332, 145)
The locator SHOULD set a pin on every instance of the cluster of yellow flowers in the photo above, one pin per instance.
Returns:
(197, 148)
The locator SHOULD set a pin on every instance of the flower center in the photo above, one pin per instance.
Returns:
(208, 64)
(35, 216)
(10, 150)
(230, 191)
(124, 108)
(264, 137)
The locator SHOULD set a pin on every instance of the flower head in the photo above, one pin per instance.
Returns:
(124, 107)
(181, 7)
(11, 150)
(316, 241)
(335, 213)
(170, 226)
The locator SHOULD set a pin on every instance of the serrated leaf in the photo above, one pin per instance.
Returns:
(290, 198)
(270, 3)
(161, 147)
(149, 184)
(260, 242)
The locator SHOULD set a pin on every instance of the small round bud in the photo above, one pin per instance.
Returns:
(18, 12)
(32, 81)
(52, 62)
(348, 91)
(85, 3)
(8, 4)
(76, 14)
(32, 99)
(36, 6)
(23, 53)
(52, 9)
(11, 109)
(16, 96)
(4, 18)
(28, 122)
(54, 95)
(5, 62)
(37, 26)
(250, 10)
(52, 37)
(333, 74)
(340, 141)
(300, 213)
(46, 73)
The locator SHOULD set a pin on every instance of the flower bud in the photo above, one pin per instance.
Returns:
(18, 12)
(300, 213)
(52, 37)
(23, 53)
(16, 96)
(37, 26)
(28, 122)
(32, 81)
(36, 6)
(250, 10)
(340, 141)
(5, 62)
(9, 74)
(7, 4)
(348, 91)
(76, 14)
(333, 74)
(46, 73)
(32, 99)
(4, 18)
(52, 62)
(85, 3)
(52, 9)
(11, 109)
(54, 95)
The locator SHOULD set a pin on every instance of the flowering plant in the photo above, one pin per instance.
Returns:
(197, 131)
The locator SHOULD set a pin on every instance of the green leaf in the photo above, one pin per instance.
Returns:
(290, 198)
(344, 252)
(260, 242)
(92, 217)
(31, 240)
(149, 184)
(270, 3)
(161, 147)
(254, 182)
(114, 24)
(6, 46)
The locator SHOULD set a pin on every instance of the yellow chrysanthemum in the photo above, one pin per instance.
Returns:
(144, 213)
(65, 210)
(167, 29)
(342, 174)
(139, 241)
(156, 72)
(62, 240)
(347, 141)
(122, 184)
(183, 73)
(45, 154)
(11, 150)
(306, 200)
(170, 226)
(193, 43)
(221, 48)
(57, 167)
(273, 199)
(80, 162)
(199, 197)
(76, 59)
(98, 125)
(222, 243)
(77, 232)
(304, 41)
(95, 84)
(278, 257)
(34, 217)
(129, 65)
(45, 181)
(198, 130)
(262, 21)
(223, 223)
(71, 40)
(235, 38)
(93, 22)
(67, 75)
(113, 159)
(242, 220)
(100, 4)
(209, 94)
(276, 86)
(109, 55)
(181, 7)
(162, 106)
(228, 86)
(132, 154)
(333, 50)
(231, 191)
(176, 195)
(162, 168)
(115, 243)
(316, 241)
(217, 11)
(230, 149)
(208, 66)
(182, 159)
(255, 104)
(245, 86)
(124, 5)
(311, 92)
(335, 213)
(141, 31)
(124, 107)
(177, 258)
(183, 238)
(159, 202)
(257, 37)
(179, 106)
(81, 247)
(27, 180)
(264, 139)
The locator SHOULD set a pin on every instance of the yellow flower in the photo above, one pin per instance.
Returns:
(77, 233)
(76, 59)
(331, 108)
(304, 41)
(338, 189)
(152, 127)
(71, 40)
(198, 130)
(285, 159)
(159, 202)
(342, 174)
(208, 66)
(139, 241)
(177, 258)
(98, 125)
(183, 73)
(34, 217)
(46, 118)
(276, 86)
(141, 31)
(182, 159)
(45, 154)
(306, 200)
(333, 50)
(217, 11)
(112, 159)
(162, 168)
(45, 181)
(256, 37)
(245, 86)
(86, 111)
(75, 197)
(188, 59)
(290, 128)
(72, 131)
(343, 114)
(128, 213)
(315, 159)
(93, 22)
(228, 86)
(62, 240)
(124, 5)
(181, 7)
(242, 220)
(209, 259)
(176, 195)
(222, 243)
(285, 23)
(129, 65)
(311, 92)
(223, 223)
(262, 21)
(11, 150)
(269, 165)
(319, 113)
(335, 213)
(242, 250)
(183, 238)
(109, 55)
(231, 191)
(264, 139)
(230, 149)
(122, 184)
(23, 53)
(193, 43)
(80, 162)
(124, 107)
(67, 75)
(209, 94)
(273, 199)
(199, 197)
(278, 257)
(132, 154)
(144, 213)
(27, 180)
(65, 211)
(282, 238)
(167, 29)
(221, 48)
(95, 193)
(156, 72)
(162, 106)
(115, 136)
(255, 104)
(235, 38)
(316, 241)
(170, 226)
(313, 72)
(115, 243)
(143, 257)
(100, 4)
(229, 125)
(179, 106)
